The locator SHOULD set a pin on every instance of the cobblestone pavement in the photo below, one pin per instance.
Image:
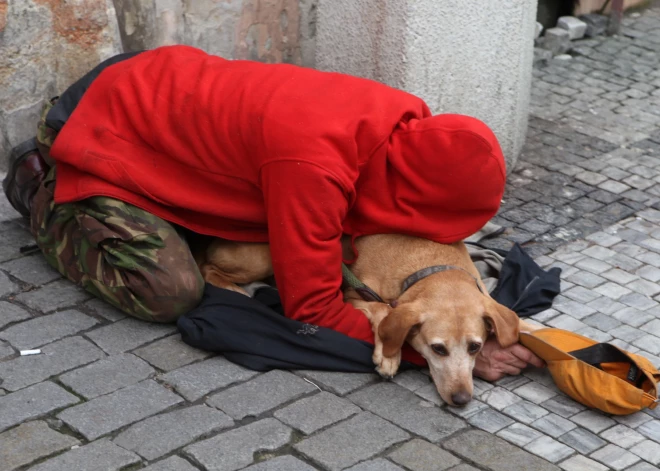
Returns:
(109, 392)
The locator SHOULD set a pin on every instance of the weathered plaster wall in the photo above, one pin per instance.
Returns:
(45, 45)
(461, 56)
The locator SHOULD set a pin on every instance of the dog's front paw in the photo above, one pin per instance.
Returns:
(387, 367)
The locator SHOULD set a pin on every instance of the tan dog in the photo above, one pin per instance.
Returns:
(446, 316)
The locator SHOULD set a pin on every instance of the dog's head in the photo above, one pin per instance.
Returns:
(448, 321)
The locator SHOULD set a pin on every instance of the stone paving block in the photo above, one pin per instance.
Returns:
(603, 239)
(606, 306)
(534, 392)
(412, 380)
(34, 270)
(602, 322)
(33, 402)
(567, 323)
(594, 334)
(615, 457)
(420, 455)
(581, 463)
(6, 351)
(11, 313)
(512, 382)
(586, 279)
(235, 448)
(638, 301)
(576, 28)
(582, 440)
(430, 393)
(339, 383)
(649, 273)
(128, 334)
(573, 309)
(100, 454)
(599, 253)
(313, 413)
(499, 398)
(163, 433)
(525, 412)
(400, 406)
(281, 463)
(594, 421)
(612, 290)
(30, 442)
(260, 394)
(651, 430)
(379, 464)
(59, 294)
(54, 359)
(106, 414)
(652, 327)
(351, 441)
(197, 380)
(173, 463)
(632, 316)
(549, 449)
(489, 420)
(46, 329)
(633, 420)
(171, 353)
(643, 466)
(618, 276)
(519, 434)
(107, 375)
(649, 343)
(12, 240)
(493, 453)
(581, 294)
(7, 286)
(553, 425)
(644, 287)
(105, 310)
(648, 450)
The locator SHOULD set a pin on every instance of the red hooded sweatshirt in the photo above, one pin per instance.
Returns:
(281, 154)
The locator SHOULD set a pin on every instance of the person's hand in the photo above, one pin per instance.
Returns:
(494, 362)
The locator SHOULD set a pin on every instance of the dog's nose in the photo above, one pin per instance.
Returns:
(461, 398)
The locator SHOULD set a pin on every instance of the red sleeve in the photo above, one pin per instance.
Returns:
(306, 207)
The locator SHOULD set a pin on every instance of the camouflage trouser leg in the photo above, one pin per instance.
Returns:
(124, 255)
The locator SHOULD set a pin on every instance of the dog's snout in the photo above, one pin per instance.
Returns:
(461, 398)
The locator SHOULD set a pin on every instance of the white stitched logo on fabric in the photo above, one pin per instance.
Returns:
(308, 329)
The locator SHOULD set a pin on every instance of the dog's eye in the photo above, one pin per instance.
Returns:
(440, 349)
(474, 347)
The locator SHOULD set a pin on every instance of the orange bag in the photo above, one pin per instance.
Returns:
(598, 375)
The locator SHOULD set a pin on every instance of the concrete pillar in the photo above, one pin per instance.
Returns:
(461, 56)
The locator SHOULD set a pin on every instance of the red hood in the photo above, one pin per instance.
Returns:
(440, 178)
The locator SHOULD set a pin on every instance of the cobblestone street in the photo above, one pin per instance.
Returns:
(111, 393)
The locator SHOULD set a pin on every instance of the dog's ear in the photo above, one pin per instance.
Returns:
(504, 322)
(394, 329)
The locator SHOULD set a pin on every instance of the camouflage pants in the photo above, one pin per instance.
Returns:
(124, 255)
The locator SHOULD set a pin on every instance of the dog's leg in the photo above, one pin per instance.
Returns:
(213, 276)
(387, 367)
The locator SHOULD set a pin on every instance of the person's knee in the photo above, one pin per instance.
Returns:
(184, 292)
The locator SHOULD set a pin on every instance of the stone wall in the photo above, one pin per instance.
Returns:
(461, 56)
(45, 45)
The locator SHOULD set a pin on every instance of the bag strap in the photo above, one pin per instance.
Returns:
(608, 353)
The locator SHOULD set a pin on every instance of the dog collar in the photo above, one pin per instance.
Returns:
(370, 295)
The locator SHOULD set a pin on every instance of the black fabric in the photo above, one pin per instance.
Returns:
(523, 286)
(254, 333)
(59, 114)
(608, 353)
